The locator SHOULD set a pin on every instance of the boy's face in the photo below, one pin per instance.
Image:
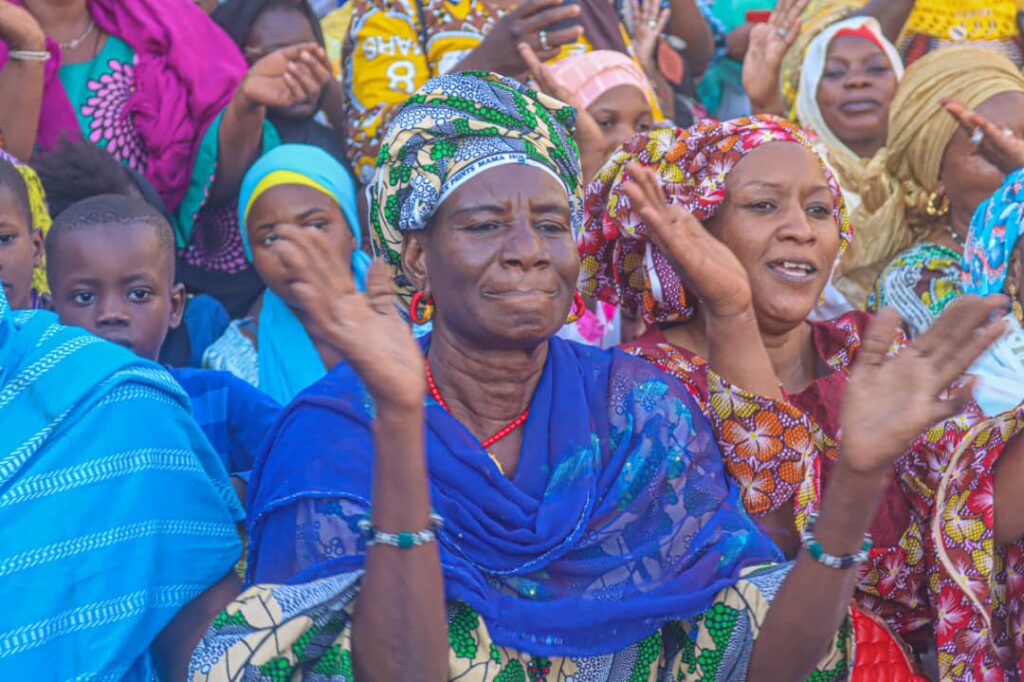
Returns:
(117, 281)
(21, 250)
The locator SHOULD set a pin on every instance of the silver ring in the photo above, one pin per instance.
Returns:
(652, 23)
(977, 137)
(543, 35)
(782, 33)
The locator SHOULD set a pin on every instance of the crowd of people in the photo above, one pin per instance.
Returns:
(512, 340)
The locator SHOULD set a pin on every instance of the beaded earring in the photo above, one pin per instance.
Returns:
(415, 315)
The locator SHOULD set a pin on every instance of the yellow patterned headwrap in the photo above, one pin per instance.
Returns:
(895, 186)
(40, 216)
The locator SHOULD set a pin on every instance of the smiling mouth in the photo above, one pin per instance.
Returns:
(860, 106)
(794, 270)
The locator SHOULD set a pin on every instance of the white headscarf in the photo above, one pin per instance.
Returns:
(813, 69)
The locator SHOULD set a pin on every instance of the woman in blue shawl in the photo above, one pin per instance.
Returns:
(291, 186)
(117, 520)
(589, 530)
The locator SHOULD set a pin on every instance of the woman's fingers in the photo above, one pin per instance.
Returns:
(531, 7)
(663, 18)
(379, 289)
(879, 337)
(961, 334)
(548, 16)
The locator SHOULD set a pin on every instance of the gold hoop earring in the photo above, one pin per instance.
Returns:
(935, 207)
(1015, 307)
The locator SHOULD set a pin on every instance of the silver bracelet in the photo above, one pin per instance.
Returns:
(401, 540)
(30, 55)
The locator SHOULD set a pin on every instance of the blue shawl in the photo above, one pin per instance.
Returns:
(289, 360)
(620, 516)
(114, 510)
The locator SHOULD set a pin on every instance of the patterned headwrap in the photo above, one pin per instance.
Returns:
(995, 231)
(619, 264)
(40, 216)
(452, 129)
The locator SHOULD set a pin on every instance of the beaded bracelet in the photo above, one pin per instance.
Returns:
(30, 55)
(819, 554)
(401, 540)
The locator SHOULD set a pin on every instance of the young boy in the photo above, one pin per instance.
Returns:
(21, 245)
(110, 262)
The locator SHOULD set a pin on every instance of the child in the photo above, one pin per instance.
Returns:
(290, 189)
(21, 244)
(110, 261)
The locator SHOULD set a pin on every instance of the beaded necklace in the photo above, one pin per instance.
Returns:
(486, 442)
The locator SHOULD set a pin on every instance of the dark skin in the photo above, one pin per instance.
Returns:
(275, 29)
(510, 260)
(117, 281)
(21, 250)
(778, 208)
(967, 176)
(855, 92)
(285, 209)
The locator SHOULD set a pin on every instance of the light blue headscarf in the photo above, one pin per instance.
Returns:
(289, 361)
(995, 230)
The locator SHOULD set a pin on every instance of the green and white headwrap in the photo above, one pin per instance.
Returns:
(453, 128)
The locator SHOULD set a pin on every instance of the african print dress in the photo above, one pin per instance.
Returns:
(935, 575)
(919, 283)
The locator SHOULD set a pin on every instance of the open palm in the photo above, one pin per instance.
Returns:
(766, 49)
(890, 400)
(707, 266)
(288, 76)
(365, 328)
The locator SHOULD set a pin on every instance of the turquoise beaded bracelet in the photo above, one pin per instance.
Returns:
(819, 554)
(401, 540)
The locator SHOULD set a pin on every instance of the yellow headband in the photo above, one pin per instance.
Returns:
(278, 178)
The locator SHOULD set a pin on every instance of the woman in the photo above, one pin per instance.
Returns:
(259, 28)
(923, 188)
(291, 187)
(779, 210)
(106, 71)
(394, 46)
(86, 423)
(597, 463)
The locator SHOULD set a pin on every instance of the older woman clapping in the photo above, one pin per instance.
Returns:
(588, 522)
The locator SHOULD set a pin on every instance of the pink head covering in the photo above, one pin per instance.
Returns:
(186, 72)
(590, 75)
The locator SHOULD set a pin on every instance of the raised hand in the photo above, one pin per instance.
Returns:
(528, 23)
(287, 77)
(998, 146)
(889, 401)
(766, 48)
(706, 265)
(649, 22)
(19, 29)
(364, 328)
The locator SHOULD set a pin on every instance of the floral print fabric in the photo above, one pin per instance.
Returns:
(995, 229)
(619, 265)
(99, 90)
(935, 574)
(303, 631)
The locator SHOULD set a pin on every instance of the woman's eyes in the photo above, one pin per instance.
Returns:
(819, 211)
(269, 239)
(606, 123)
(551, 226)
(761, 206)
(6, 239)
